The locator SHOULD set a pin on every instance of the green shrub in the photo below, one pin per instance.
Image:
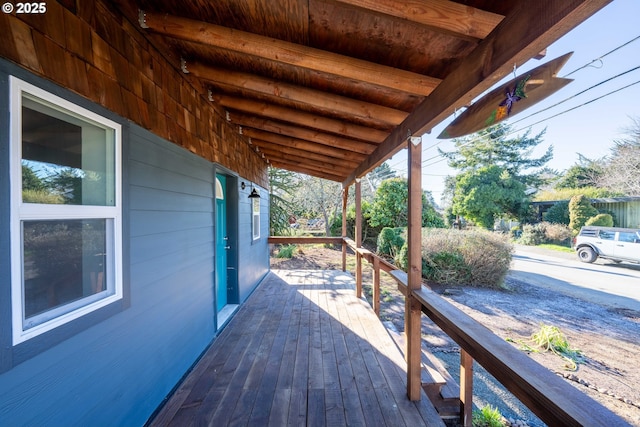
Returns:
(463, 257)
(544, 232)
(602, 220)
(446, 268)
(580, 210)
(532, 234)
(557, 233)
(613, 216)
(286, 251)
(390, 241)
(558, 213)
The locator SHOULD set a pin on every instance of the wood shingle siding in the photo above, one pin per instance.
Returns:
(95, 52)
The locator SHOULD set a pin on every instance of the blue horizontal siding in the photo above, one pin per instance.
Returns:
(118, 371)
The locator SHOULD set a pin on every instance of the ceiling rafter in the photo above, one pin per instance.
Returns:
(289, 115)
(297, 167)
(306, 146)
(265, 145)
(324, 166)
(315, 98)
(288, 53)
(301, 133)
(455, 18)
(514, 41)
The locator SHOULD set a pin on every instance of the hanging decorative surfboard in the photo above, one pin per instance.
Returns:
(509, 99)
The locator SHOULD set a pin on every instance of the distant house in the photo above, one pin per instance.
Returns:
(626, 210)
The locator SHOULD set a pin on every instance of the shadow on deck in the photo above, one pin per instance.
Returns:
(303, 350)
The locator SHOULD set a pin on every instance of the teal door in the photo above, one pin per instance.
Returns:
(222, 242)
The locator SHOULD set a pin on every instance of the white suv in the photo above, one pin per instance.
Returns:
(616, 244)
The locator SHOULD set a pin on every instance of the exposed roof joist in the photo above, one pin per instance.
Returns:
(288, 53)
(304, 146)
(289, 115)
(520, 36)
(361, 76)
(376, 115)
(298, 132)
(445, 15)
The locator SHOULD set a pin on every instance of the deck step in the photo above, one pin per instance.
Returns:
(441, 388)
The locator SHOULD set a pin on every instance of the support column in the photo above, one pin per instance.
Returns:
(413, 313)
(358, 239)
(345, 198)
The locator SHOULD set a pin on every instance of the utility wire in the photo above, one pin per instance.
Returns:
(548, 118)
(600, 58)
(603, 56)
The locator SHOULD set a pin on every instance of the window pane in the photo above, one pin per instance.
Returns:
(65, 159)
(64, 261)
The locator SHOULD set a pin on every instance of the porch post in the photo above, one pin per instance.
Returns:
(358, 238)
(412, 305)
(345, 198)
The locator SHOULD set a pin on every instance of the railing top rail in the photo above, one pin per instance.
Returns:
(552, 399)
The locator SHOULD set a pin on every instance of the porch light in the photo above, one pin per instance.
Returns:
(254, 193)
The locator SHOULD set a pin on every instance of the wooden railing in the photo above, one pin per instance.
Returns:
(546, 394)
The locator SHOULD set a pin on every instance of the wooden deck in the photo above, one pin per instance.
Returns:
(302, 351)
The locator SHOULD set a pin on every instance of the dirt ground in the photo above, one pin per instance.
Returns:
(609, 339)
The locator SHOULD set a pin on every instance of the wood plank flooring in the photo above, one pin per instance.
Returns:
(302, 351)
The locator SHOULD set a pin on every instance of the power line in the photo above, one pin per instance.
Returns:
(604, 56)
(547, 118)
(440, 158)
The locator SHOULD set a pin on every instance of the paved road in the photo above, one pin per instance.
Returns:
(603, 282)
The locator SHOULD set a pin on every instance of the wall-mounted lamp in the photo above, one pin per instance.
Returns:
(243, 185)
(254, 194)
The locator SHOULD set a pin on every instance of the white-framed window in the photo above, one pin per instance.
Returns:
(255, 217)
(66, 228)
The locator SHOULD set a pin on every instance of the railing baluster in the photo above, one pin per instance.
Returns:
(376, 285)
(466, 388)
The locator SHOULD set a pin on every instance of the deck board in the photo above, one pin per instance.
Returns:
(303, 350)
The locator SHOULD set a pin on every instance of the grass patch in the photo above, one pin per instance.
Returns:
(559, 248)
(488, 416)
(286, 251)
(550, 338)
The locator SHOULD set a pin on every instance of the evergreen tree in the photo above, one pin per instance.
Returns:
(580, 211)
(389, 208)
(495, 173)
(491, 147)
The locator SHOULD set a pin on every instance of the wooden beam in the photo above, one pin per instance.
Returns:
(294, 167)
(267, 147)
(301, 133)
(299, 144)
(454, 18)
(301, 118)
(413, 308)
(304, 240)
(288, 53)
(528, 30)
(316, 99)
(321, 165)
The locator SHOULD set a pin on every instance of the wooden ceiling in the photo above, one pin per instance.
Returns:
(332, 88)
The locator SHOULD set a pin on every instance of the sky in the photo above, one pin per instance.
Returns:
(588, 129)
